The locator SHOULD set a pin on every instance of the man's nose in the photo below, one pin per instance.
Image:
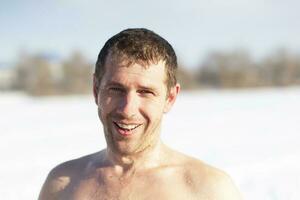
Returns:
(128, 106)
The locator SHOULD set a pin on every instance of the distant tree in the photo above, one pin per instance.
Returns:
(37, 75)
(233, 69)
(281, 68)
(33, 75)
(77, 74)
(186, 79)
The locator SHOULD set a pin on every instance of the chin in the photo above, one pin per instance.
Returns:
(123, 151)
(125, 148)
(126, 145)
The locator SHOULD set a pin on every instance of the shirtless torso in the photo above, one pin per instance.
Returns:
(134, 85)
(176, 177)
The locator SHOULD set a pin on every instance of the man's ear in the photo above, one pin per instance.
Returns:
(171, 98)
(95, 88)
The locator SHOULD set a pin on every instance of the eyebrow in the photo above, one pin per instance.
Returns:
(147, 88)
(114, 83)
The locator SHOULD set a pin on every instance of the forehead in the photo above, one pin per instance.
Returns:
(123, 69)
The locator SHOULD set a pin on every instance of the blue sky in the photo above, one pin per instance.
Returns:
(193, 27)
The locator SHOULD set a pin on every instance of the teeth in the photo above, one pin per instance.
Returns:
(127, 126)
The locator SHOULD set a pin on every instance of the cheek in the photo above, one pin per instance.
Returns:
(104, 108)
(104, 102)
(153, 110)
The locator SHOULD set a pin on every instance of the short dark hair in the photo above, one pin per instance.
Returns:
(139, 45)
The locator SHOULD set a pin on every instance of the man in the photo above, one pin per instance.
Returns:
(134, 85)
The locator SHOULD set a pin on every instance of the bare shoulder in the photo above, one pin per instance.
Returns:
(63, 177)
(208, 182)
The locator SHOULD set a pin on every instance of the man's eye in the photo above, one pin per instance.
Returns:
(145, 92)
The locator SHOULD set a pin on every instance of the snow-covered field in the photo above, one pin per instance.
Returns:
(253, 135)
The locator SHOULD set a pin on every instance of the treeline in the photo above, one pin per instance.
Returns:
(237, 69)
(41, 75)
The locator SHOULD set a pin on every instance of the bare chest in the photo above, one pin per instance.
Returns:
(141, 188)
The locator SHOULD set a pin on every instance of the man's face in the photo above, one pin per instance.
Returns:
(131, 101)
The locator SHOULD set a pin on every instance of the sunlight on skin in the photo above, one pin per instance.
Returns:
(61, 183)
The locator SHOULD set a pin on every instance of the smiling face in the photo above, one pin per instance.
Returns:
(131, 101)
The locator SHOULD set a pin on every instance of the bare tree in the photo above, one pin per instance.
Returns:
(281, 68)
(33, 75)
(77, 74)
(233, 69)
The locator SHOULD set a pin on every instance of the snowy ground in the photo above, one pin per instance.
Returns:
(252, 135)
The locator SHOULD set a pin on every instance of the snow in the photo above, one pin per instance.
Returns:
(253, 135)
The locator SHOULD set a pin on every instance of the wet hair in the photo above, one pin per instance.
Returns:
(139, 45)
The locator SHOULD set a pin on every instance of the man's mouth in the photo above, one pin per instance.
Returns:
(126, 129)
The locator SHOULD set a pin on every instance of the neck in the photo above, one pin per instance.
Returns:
(127, 164)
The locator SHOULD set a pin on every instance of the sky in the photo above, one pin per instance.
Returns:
(193, 27)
